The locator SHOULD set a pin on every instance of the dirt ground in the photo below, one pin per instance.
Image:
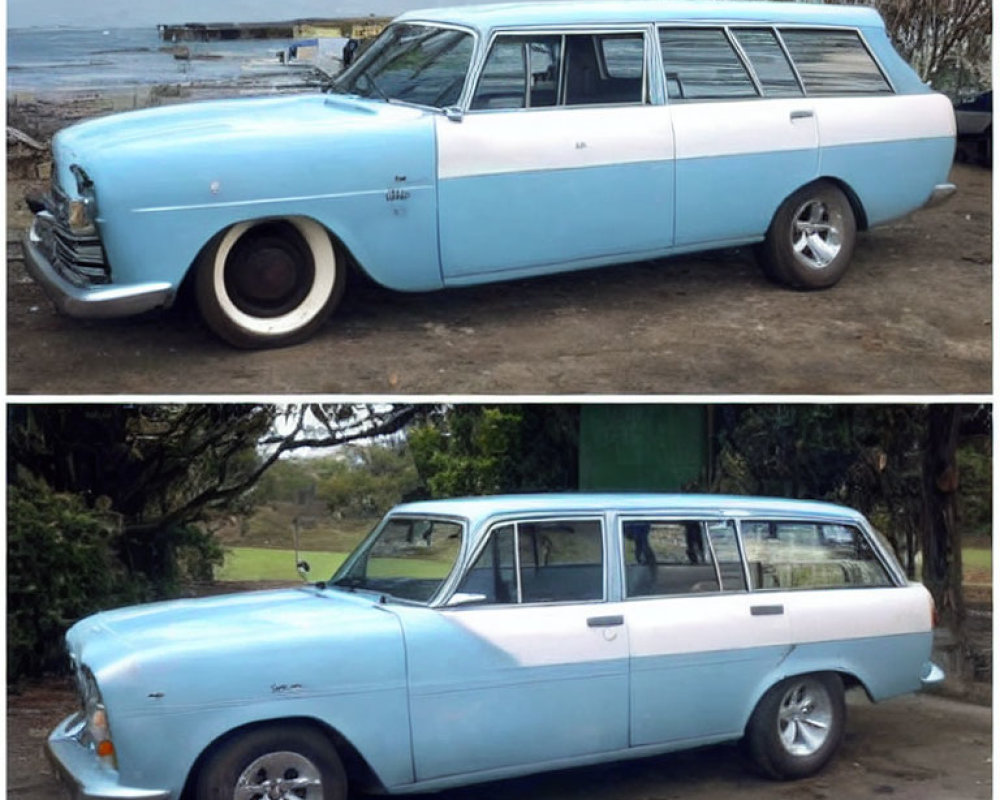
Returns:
(913, 316)
(919, 748)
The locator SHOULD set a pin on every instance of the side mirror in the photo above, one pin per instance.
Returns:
(303, 568)
(465, 598)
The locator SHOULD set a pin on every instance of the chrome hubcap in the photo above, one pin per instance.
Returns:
(280, 776)
(817, 234)
(804, 718)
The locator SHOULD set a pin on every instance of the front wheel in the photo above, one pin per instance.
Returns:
(797, 725)
(269, 283)
(280, 761)
(811, 238)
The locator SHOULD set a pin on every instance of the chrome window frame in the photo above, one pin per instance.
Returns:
(863, 530)
(644, 30)
(702, 518)
(839, 28)
(490, 526)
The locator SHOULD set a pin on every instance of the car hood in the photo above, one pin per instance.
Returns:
(202, 123)
(228, 625)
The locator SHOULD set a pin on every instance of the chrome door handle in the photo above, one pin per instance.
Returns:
(764, 611)
(605, 622)
(803, 114)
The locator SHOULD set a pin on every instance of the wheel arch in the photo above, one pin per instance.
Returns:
(339, 244)
(359, 772)
(860, 215)
(849, 678)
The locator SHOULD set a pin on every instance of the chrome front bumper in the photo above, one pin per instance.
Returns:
(939, 194)
(83, 775)
(91, 301)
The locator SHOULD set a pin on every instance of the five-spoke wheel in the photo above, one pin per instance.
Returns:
(811, 238)
(797, 725)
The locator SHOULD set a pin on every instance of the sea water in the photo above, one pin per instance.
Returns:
(73, 59)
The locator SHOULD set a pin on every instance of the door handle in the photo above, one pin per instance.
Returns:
(605, 622)
(802, 114)
(764, 611)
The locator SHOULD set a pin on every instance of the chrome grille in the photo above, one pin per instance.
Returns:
(80, 259)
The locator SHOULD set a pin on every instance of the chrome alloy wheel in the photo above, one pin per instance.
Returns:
(817, 234)
(805, 715)
(280, 776)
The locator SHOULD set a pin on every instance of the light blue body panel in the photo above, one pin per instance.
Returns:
(176, 676)
(890, 178)
(491, 224)
(195, 170)
(734, 197)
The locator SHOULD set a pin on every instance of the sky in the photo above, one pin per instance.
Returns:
(140, 13)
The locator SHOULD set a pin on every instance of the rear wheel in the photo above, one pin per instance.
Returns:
(811, 238)
(269, 283)
(279, 762)
(797, 725)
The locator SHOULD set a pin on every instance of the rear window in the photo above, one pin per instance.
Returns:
(809, 555)
(834, 62)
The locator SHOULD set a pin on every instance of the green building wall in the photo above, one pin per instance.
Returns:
(655, 448)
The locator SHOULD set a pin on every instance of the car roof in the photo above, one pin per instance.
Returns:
(478, 509)
(610, 12)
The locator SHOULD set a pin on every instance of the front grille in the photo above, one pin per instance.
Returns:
(80, 259)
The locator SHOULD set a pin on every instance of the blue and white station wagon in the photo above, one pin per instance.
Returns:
(480, 144)
(476, 639)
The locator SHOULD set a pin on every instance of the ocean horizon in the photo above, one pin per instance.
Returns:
(67, 58)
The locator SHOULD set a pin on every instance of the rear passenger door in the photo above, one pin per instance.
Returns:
(700, 645)
(746, 136)
(561, 157)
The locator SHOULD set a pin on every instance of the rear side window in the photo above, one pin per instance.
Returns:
(806, 555)
(834, 62)
(672, 557)
(701, 64)
(775, 74)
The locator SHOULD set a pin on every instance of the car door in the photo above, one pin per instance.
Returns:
(561, 159)
(532, 668)
(746, 135)
(700, 645)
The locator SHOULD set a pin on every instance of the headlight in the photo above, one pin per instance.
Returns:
(98, 727)
(80, 214)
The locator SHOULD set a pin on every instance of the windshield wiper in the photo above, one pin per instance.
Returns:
(351, 582)
(375, 86)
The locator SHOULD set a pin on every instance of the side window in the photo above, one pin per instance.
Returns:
(492, 575)
(768, 60)
(806, 555)
(834, 62)
(503, 83)
(700, 64)
(680, 557)
(573, 69)
(559, 561)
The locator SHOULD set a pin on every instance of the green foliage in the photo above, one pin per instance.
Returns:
(369, 482)
(975, 486)
(479, 450)
(61, 565)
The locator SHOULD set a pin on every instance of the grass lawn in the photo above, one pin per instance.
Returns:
(979, 557)
(266, 564)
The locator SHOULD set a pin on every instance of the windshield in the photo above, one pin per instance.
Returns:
(408, 557)
(420, 64)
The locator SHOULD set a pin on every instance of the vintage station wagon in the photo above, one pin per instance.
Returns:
(480, 144)
(476, 639)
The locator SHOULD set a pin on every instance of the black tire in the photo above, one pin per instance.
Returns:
(797, 726)
(811, 238)
(280, 752)
(269, 283)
